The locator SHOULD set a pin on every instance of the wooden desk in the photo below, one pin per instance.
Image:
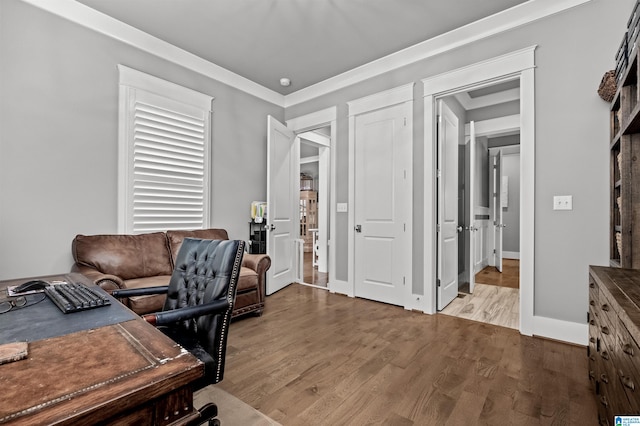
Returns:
(124, 373)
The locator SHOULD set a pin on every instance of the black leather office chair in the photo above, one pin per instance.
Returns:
(197, 311)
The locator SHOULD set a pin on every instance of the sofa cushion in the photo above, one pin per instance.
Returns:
(149, 303)
(126, 256)
(175, 238)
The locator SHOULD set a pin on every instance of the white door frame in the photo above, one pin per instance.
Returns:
(515, 65)
(323, 144)
(387, 98)
(324, 118)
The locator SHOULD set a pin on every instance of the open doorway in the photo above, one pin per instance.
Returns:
(314, 224)
(488, 204)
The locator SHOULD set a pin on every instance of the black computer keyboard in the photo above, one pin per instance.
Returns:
(75, 297)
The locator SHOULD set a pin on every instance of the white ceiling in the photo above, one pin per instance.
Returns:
(307, 41)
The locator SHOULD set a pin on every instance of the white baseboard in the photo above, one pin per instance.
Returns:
(511, 255)
(340, 287)
(565, 331)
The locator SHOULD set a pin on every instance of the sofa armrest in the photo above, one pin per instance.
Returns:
(261, 264)
(257, 262)
(107, 282)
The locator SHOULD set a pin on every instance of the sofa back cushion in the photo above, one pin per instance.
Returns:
(127, 256)
(175, 238)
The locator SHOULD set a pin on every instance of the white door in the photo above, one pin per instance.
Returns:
(448, 228)
(471, 219)
(382, 202)
(283, 195)
(497, 211)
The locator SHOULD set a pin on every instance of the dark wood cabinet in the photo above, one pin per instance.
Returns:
(614, 333)
(625, 155)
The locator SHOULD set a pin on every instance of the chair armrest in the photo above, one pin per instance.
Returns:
(188, 312)
(143, 291)
(107, 282)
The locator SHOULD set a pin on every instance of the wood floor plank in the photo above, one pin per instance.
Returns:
(316, 358)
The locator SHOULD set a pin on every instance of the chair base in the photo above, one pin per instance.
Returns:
(208, 412)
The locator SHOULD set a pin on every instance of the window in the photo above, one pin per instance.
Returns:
(164, 155)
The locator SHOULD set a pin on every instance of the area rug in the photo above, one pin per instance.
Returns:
(231, 411)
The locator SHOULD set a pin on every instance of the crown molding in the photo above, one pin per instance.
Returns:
(511, 18)
(514, 17)
(111, 27)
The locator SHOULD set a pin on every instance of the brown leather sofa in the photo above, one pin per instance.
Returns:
(147, 260)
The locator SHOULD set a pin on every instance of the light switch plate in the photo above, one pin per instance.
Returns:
(341, 207)
(563, 202)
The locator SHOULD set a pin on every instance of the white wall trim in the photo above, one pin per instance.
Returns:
(495, 126)
(511, 18)
(561, 330)
(468, 102)
(383, 99)
(111, 27)
(518, 64)
(340, 287)
(300, 125)
(514, 17)
(510, 254)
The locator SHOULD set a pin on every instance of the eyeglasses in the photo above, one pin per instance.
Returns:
(20, 302)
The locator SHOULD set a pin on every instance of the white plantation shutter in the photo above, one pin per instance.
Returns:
(164, 154)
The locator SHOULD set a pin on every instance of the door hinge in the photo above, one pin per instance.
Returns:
(404, 280)
(494, 251)
(438, 174)
(404, 227)
(405, 121)
(437, 228)
(438, 282)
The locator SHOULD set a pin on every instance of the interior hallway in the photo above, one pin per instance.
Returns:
(311, 274)
(496, 297)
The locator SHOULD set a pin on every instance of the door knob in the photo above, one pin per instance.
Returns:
(358, 228)
(272, 227)
(459, 229)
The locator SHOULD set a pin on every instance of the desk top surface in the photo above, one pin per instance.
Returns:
(44, 319)
(92, 373)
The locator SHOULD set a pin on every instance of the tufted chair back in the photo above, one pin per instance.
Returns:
(206, 271)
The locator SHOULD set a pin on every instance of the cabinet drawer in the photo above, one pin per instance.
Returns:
(628, 365)
(593, 292)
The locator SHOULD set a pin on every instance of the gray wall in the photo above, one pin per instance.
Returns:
(59, 133)
(570, 119)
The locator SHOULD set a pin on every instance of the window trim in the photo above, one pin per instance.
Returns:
(131, 80)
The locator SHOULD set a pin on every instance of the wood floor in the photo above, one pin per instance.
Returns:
(495, 299)
(509, 277)
(317, 358)
(311, 274)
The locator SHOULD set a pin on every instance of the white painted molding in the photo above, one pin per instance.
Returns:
(341, 287)
(453, 81)
(141, 80)
(510, 254)
(315, 138)
(496, 126)
(514, 17)
(488, 100)
(519, 64)
(111, 27)
(383, 99)
(313, 120)
(312, 159)
(301, 125)
(565, 331)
